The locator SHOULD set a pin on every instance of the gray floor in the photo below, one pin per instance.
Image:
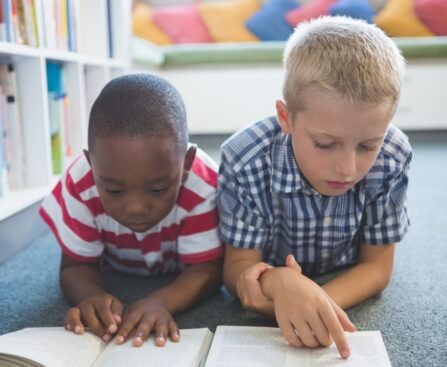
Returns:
(411, 313)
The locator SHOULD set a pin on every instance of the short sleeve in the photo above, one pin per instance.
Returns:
(71, 221)
(241, 223)
(387, 219)
(198, 239)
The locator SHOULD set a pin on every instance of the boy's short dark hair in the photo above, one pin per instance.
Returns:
(138, 105)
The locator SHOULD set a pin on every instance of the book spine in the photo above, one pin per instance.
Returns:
(7, 12)
(2, 22)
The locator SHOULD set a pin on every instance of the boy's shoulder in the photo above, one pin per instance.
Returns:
(393, 159)
(251, 142)
(396, 145)
(204, 170)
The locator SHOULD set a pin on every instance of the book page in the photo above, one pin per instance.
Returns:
(188, 352)
(242, 346)
(52, 346)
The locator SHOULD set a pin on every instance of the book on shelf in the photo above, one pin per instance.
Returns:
(240, 346)
(60, 24)
(18, 23)
(12, 124)
(58, 114)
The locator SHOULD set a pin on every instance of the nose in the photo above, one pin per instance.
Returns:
(346, 165)
(135, 206)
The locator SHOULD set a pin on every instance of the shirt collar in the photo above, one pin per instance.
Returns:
(286, 176)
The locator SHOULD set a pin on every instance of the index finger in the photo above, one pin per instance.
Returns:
(105, 314)
(335, 329)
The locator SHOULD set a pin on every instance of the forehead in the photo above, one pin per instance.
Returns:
(344, 119)
(142, 157)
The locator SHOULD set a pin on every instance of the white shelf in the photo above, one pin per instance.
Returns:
(86, 72)
(18, 200)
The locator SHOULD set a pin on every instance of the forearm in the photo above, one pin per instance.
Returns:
(194, 284)
(80, 282)
(232, 272)
(357, 284)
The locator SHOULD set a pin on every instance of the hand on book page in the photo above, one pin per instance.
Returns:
(145, 316)
(101, 313)
(245, 346)
(306, 315)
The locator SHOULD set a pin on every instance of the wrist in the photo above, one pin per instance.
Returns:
(274, 280)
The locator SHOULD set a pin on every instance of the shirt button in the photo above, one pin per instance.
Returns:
(327, 220)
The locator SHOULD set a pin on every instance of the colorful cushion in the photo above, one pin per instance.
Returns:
(225, 20)
(269, 24)
(377, 4)
(433, 14)
(182, 23)
(144, 27)
(398, 19)
(309, 11)
(360, 9)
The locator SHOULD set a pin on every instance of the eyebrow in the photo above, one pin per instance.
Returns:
(337, 138)
(163, 179)
(110, 180)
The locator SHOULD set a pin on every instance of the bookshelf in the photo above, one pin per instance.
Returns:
(90, 48)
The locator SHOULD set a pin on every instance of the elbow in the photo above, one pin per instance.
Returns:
(383, 279)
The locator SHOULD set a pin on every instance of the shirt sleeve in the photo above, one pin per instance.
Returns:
(198, 239)
(387, 219)
(241, 223)
(71, 221)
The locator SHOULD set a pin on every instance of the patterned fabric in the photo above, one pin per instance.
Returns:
(188, 234)
(265, 203)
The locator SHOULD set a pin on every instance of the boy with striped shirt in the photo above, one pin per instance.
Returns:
(141, 199)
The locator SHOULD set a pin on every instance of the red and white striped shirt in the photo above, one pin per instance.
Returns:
(85, 232)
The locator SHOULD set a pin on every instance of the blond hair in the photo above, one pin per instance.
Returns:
(343, 57)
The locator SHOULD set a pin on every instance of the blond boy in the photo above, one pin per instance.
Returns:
(321, 186)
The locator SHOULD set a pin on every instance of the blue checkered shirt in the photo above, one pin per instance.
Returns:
(264, 202)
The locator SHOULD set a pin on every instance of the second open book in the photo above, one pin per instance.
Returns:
(231, 346)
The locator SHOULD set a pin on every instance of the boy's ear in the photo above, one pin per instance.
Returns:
(283, 117)
(87, 156)
(189, 160)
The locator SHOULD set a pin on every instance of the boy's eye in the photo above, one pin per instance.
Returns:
(158, 191)
(114, 192)
(368, 148)
(324, 146)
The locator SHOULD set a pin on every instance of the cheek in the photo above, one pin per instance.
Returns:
(365, 163)
(110, 205)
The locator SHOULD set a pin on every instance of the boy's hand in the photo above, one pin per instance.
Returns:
(306, 315)
(145, 316)
(249, 288)
(101, 313)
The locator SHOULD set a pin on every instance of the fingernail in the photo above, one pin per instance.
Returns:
(112, 328)
(293, 259)
(106, 337)
(117, 318)
(345, 354)
(161, 338)
(78, 329)
(119, 339)
(138, 340)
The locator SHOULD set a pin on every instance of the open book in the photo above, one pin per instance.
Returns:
(231, 346)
